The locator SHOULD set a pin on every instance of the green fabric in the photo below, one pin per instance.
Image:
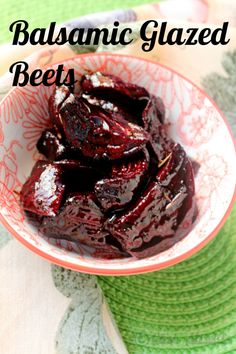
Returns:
(40, 13)
(187, 308)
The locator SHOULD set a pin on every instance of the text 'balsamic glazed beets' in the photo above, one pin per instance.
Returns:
(112, 178)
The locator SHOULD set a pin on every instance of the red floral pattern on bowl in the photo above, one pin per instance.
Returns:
(195, 122)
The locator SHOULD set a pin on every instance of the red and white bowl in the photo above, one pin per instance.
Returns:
(196, 123)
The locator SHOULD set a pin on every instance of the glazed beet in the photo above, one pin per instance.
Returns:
(55, 101)
(42, 193)
(129, 98)
(107, 248)
(107, 105)
(120, 188)
(111, 84)
(164, 205)
(129, 228)
(79, 176)
(153, 115)
(177, 172)
(114, 180)
(141, 108)
(80, 219)
(97, 133)
(113, 108)
(50, 145)
(153, 118)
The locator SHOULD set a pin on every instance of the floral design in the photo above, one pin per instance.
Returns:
(9, 182)
(212, 181)
(196, 125)
(13, 108)
(36, 118)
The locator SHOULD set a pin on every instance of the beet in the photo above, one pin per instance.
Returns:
(114, 108)
(118, 190)
(79, 176)
(153, 118)
(43, 191)
(129, 228)
(110, 85)
(50, 145)
(97, 133)
(106, 251)
(177, 172)
(129, 98)
(164, 205)
(153, 115)
(80, 219)
(55, 101)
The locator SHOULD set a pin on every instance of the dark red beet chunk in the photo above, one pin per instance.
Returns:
(161, 144)
(50, 146)
(165, 232)
(101, 168)
(111, 107)
(97, 133)
(98, 81)
(43, 191)
(177, 175)
(180, 180)
(79, 176)
(130, 228)
(165, 210)
(177, 171)
(169, 173)
(80, 219)
(153, 117)
(71, 165)
(107, 251)
(126, 176)
(54, 104)
(102, 103)
(130, 99)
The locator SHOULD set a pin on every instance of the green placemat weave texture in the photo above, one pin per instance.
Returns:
(187, 308)
(40, 13)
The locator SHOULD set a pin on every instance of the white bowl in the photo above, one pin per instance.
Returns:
(196, 123)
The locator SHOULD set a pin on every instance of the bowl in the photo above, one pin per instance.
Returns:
(196, 123)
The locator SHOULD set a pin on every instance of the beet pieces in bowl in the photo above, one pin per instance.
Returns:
(110, 176)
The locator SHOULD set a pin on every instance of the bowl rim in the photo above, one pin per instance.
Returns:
(138, 269)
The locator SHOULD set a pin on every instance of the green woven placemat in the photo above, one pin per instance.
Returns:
(187, 308)
(40, 13)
